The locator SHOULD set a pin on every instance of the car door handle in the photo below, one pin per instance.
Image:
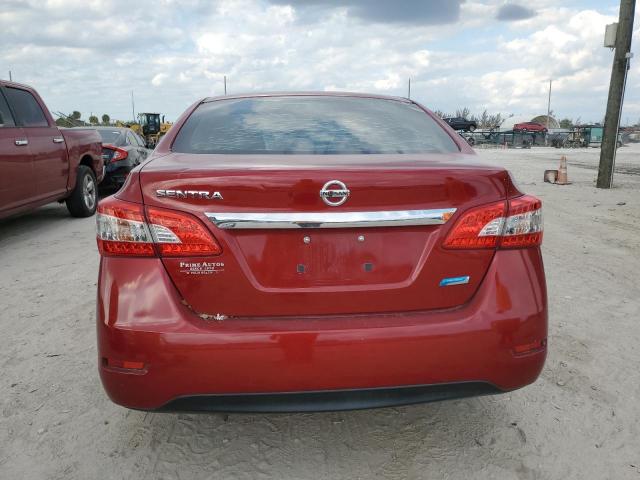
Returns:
(22, 142)
(58, 139)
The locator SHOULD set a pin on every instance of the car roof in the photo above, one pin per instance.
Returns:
(306, 94)
(104, 127)
(7, 83)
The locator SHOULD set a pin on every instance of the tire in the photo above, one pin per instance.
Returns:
(472, 128)
(471, 141)
(84, 199)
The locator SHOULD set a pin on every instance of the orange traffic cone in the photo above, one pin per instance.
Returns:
(562, 172)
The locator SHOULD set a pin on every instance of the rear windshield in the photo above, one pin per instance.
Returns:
(314, 125)
(110, 136)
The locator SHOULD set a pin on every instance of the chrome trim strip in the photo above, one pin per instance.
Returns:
(289, 220)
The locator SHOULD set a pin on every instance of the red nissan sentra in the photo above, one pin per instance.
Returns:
(317, 251)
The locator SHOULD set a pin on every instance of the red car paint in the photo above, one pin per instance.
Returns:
(253, 324)
(41, 170)
(529, 127)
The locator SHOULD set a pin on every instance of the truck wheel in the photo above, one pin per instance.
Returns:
(84, 199)
(472, 128)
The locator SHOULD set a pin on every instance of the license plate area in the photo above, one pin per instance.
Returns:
(306, 258)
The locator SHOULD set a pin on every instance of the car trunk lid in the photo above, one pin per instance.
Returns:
(286, 251)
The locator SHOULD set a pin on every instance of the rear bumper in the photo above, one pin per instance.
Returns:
(316, 363)
(116, 174)
(328, 400)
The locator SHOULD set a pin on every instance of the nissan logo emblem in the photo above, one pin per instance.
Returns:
(334, 193)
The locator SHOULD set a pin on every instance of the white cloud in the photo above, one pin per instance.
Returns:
(158, 79)
(81, 54)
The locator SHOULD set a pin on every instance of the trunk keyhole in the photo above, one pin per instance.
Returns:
(300, 268)
(368, 267)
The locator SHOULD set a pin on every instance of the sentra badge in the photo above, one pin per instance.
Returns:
(197, 194)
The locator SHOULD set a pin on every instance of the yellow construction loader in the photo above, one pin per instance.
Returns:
(150, 127)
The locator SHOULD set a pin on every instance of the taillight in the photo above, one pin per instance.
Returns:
(123, 230)
(478, 228)
(116, 154)
(523, 227)
(179, 234)
(513, 224)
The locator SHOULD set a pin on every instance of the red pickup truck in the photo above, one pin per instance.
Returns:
(40, 163)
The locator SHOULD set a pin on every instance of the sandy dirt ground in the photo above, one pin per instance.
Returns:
(580, 420)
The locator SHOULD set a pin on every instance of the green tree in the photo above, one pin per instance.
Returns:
(488, 120)
(106, 119)
(93, 120)
(566, 123)
(76, 115)
(63, 122)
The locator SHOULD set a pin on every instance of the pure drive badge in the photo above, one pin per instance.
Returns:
(197, 194)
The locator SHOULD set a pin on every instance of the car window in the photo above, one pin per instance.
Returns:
(26, 107)
(110, 136)
(135, 139)
(313, 125)
(131, 140)
(141, 140)
(6, 119)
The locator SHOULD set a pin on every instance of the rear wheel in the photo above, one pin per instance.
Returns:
(472, 128)
(83, 200)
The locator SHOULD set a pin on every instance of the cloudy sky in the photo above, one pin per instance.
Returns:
(88, 55)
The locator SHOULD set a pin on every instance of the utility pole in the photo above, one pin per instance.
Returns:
(225, 85)
(133, 108)
(409, 92)
(549, 103)
(10, 79)
(619, 70)
(546, 137)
